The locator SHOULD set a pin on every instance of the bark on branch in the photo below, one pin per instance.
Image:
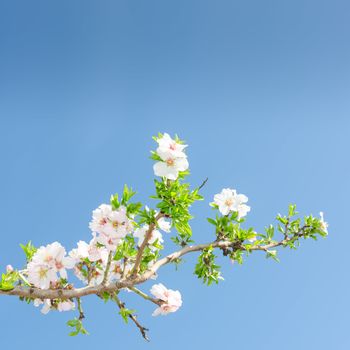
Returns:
(32, 292)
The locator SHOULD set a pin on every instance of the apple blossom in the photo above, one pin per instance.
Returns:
(170, 146)
(171, 300)
(229, 201)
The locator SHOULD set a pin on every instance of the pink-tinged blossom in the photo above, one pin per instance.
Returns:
(111, 225)
(100, 217)
(65, 305)
(140, 233)
(115, 271)
(41, 275)
(229, 201)
(173, 158)
(171, 300)
(91, 251)
(167, 145)
(46, 263)
(54, 256)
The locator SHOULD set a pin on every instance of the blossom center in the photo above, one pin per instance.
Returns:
(228, 202)
(170, 161)
(59, 265)
(42, 273)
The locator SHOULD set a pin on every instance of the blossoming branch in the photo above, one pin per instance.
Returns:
(128, 238)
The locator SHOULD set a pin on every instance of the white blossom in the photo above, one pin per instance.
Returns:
(171, 300)
(164, 225)
(324, 224)
(229, 201)
(65, 305)
(173, 158)
(170, 167)
(46, 263)
(91, 251)
(167, 145)
(111, 225)
(41, 275)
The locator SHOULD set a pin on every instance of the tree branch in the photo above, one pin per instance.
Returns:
(32, 292)
(148, 236)
(145, 296)
(132, 317)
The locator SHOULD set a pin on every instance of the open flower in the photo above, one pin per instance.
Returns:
(111, 225)
(167, 145)
(229, 201)
(171, 300)
(46, 263)
(170, 166)
(91, 251)
(41, 275)
(173, 158)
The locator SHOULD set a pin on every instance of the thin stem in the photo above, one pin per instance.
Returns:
(145, 296)
(203, 184)
(148, 236)
(109, 261)
(80, 309)
(121, 305)
(124, 268)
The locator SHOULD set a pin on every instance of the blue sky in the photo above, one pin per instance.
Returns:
(260, 92)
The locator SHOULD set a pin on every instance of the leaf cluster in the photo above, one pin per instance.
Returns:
(206, 268)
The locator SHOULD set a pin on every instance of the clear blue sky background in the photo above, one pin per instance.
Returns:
(258, 89)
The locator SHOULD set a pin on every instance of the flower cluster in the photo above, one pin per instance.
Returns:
(110, 225)
(172, 158)
(170, 299)
(45, 265)
(229, 201)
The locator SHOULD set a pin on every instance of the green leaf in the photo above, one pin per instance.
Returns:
(29, 250)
